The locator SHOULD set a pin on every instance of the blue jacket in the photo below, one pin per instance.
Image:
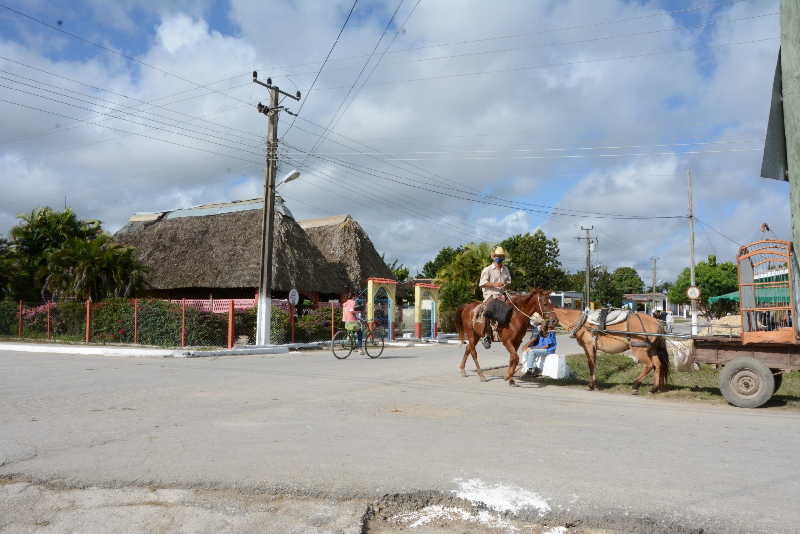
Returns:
(547, 342)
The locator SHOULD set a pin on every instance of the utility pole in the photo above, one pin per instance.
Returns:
(693, 301)
(264, 315)
(653, 287)
(587, 283)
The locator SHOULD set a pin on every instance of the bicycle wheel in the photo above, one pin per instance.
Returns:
(374, 344)
(342, 344)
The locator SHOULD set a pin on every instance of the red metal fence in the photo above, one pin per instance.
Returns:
(166, 323)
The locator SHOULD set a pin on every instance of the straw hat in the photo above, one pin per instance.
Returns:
(499, 252)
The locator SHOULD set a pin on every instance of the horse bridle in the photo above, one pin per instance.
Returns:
(541, 308)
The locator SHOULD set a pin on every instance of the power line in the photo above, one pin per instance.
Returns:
(335, 117)
(399, 180)
(112, 50)
(557, 44)
(555, 29)
(717, 231)
(64, 116)
(123, 118)
(523, 68)
(114, 107)
(324, 62)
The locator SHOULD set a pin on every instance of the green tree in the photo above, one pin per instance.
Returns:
(533, 261)
(459, 278)
(96, 268)
(627, 280)
(603, 289)
(55, 253)
(442, 259)
(711, 277)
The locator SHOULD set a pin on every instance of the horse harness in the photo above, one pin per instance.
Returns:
(601, 330)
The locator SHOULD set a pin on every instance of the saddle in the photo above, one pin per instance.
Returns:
(600, 319)
(607, 317)
(498, 310)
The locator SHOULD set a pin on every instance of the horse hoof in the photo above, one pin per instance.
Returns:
(463, 373)
(635, 391)
(484, 379)
(513, 384)
(654, 390)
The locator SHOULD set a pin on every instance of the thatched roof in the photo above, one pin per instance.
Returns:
(343, 242)
(218, 246)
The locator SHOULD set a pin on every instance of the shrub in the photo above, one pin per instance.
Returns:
(8, 318)
(316, 325)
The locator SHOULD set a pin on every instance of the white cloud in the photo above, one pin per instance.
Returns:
(582, 102)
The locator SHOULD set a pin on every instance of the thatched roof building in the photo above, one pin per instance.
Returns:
(344, 243)
(214, 249)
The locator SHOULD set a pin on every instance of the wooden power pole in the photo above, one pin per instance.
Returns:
(587, 295)
(782, 144)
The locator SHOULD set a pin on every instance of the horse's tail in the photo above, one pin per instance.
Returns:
(663, 357)
(459, 322)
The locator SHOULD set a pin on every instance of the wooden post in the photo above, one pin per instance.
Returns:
(333, 322)
(230, 324)
(20, 327)
(49, 328)
(790, 84)
(291, 319)
(183, 322)
(135, 321)
(88, 336)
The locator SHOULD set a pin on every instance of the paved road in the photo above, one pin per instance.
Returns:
(307, 425)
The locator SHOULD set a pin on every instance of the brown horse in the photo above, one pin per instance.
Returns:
(651, 351)
(511, 334)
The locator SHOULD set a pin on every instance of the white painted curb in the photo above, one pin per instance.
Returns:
(87, 350)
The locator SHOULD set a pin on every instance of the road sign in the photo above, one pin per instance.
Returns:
(693, 292)
(294, 297)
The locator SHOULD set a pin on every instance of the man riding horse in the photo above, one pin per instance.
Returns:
(494, 278)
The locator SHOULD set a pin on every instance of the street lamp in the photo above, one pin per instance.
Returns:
(264, 311)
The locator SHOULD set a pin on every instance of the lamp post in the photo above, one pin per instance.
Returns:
(264, 312)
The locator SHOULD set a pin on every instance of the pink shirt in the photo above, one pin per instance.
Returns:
(349, 311)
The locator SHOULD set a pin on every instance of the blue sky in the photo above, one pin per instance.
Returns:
(601, 134)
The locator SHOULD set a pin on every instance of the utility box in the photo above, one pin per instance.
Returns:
(555, 366)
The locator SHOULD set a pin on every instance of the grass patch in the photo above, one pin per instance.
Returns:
(616, 372)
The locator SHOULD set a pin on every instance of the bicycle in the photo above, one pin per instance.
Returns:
(344, 342)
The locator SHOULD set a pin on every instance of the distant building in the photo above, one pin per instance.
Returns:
(213, 250)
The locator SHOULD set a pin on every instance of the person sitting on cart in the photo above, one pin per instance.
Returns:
(352, 310)
(543, 342)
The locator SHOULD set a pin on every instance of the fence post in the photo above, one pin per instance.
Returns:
(333, 322)
(20, 328)
(135, 321)
(230, 324)
(49, 329)
(88, 337)
(183, 322)
(291, 319)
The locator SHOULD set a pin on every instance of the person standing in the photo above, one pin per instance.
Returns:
(494, 278)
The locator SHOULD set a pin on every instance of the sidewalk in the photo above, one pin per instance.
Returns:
(134, 352)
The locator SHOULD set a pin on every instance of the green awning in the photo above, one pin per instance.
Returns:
(764, 295)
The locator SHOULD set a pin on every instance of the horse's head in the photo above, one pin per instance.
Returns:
(539, 302)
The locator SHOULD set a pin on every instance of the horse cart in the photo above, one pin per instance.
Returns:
(768, 342)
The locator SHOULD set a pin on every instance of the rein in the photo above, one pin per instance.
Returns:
(538, 299)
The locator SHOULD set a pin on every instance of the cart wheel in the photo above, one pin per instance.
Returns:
(746, 382)
(777, 374)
